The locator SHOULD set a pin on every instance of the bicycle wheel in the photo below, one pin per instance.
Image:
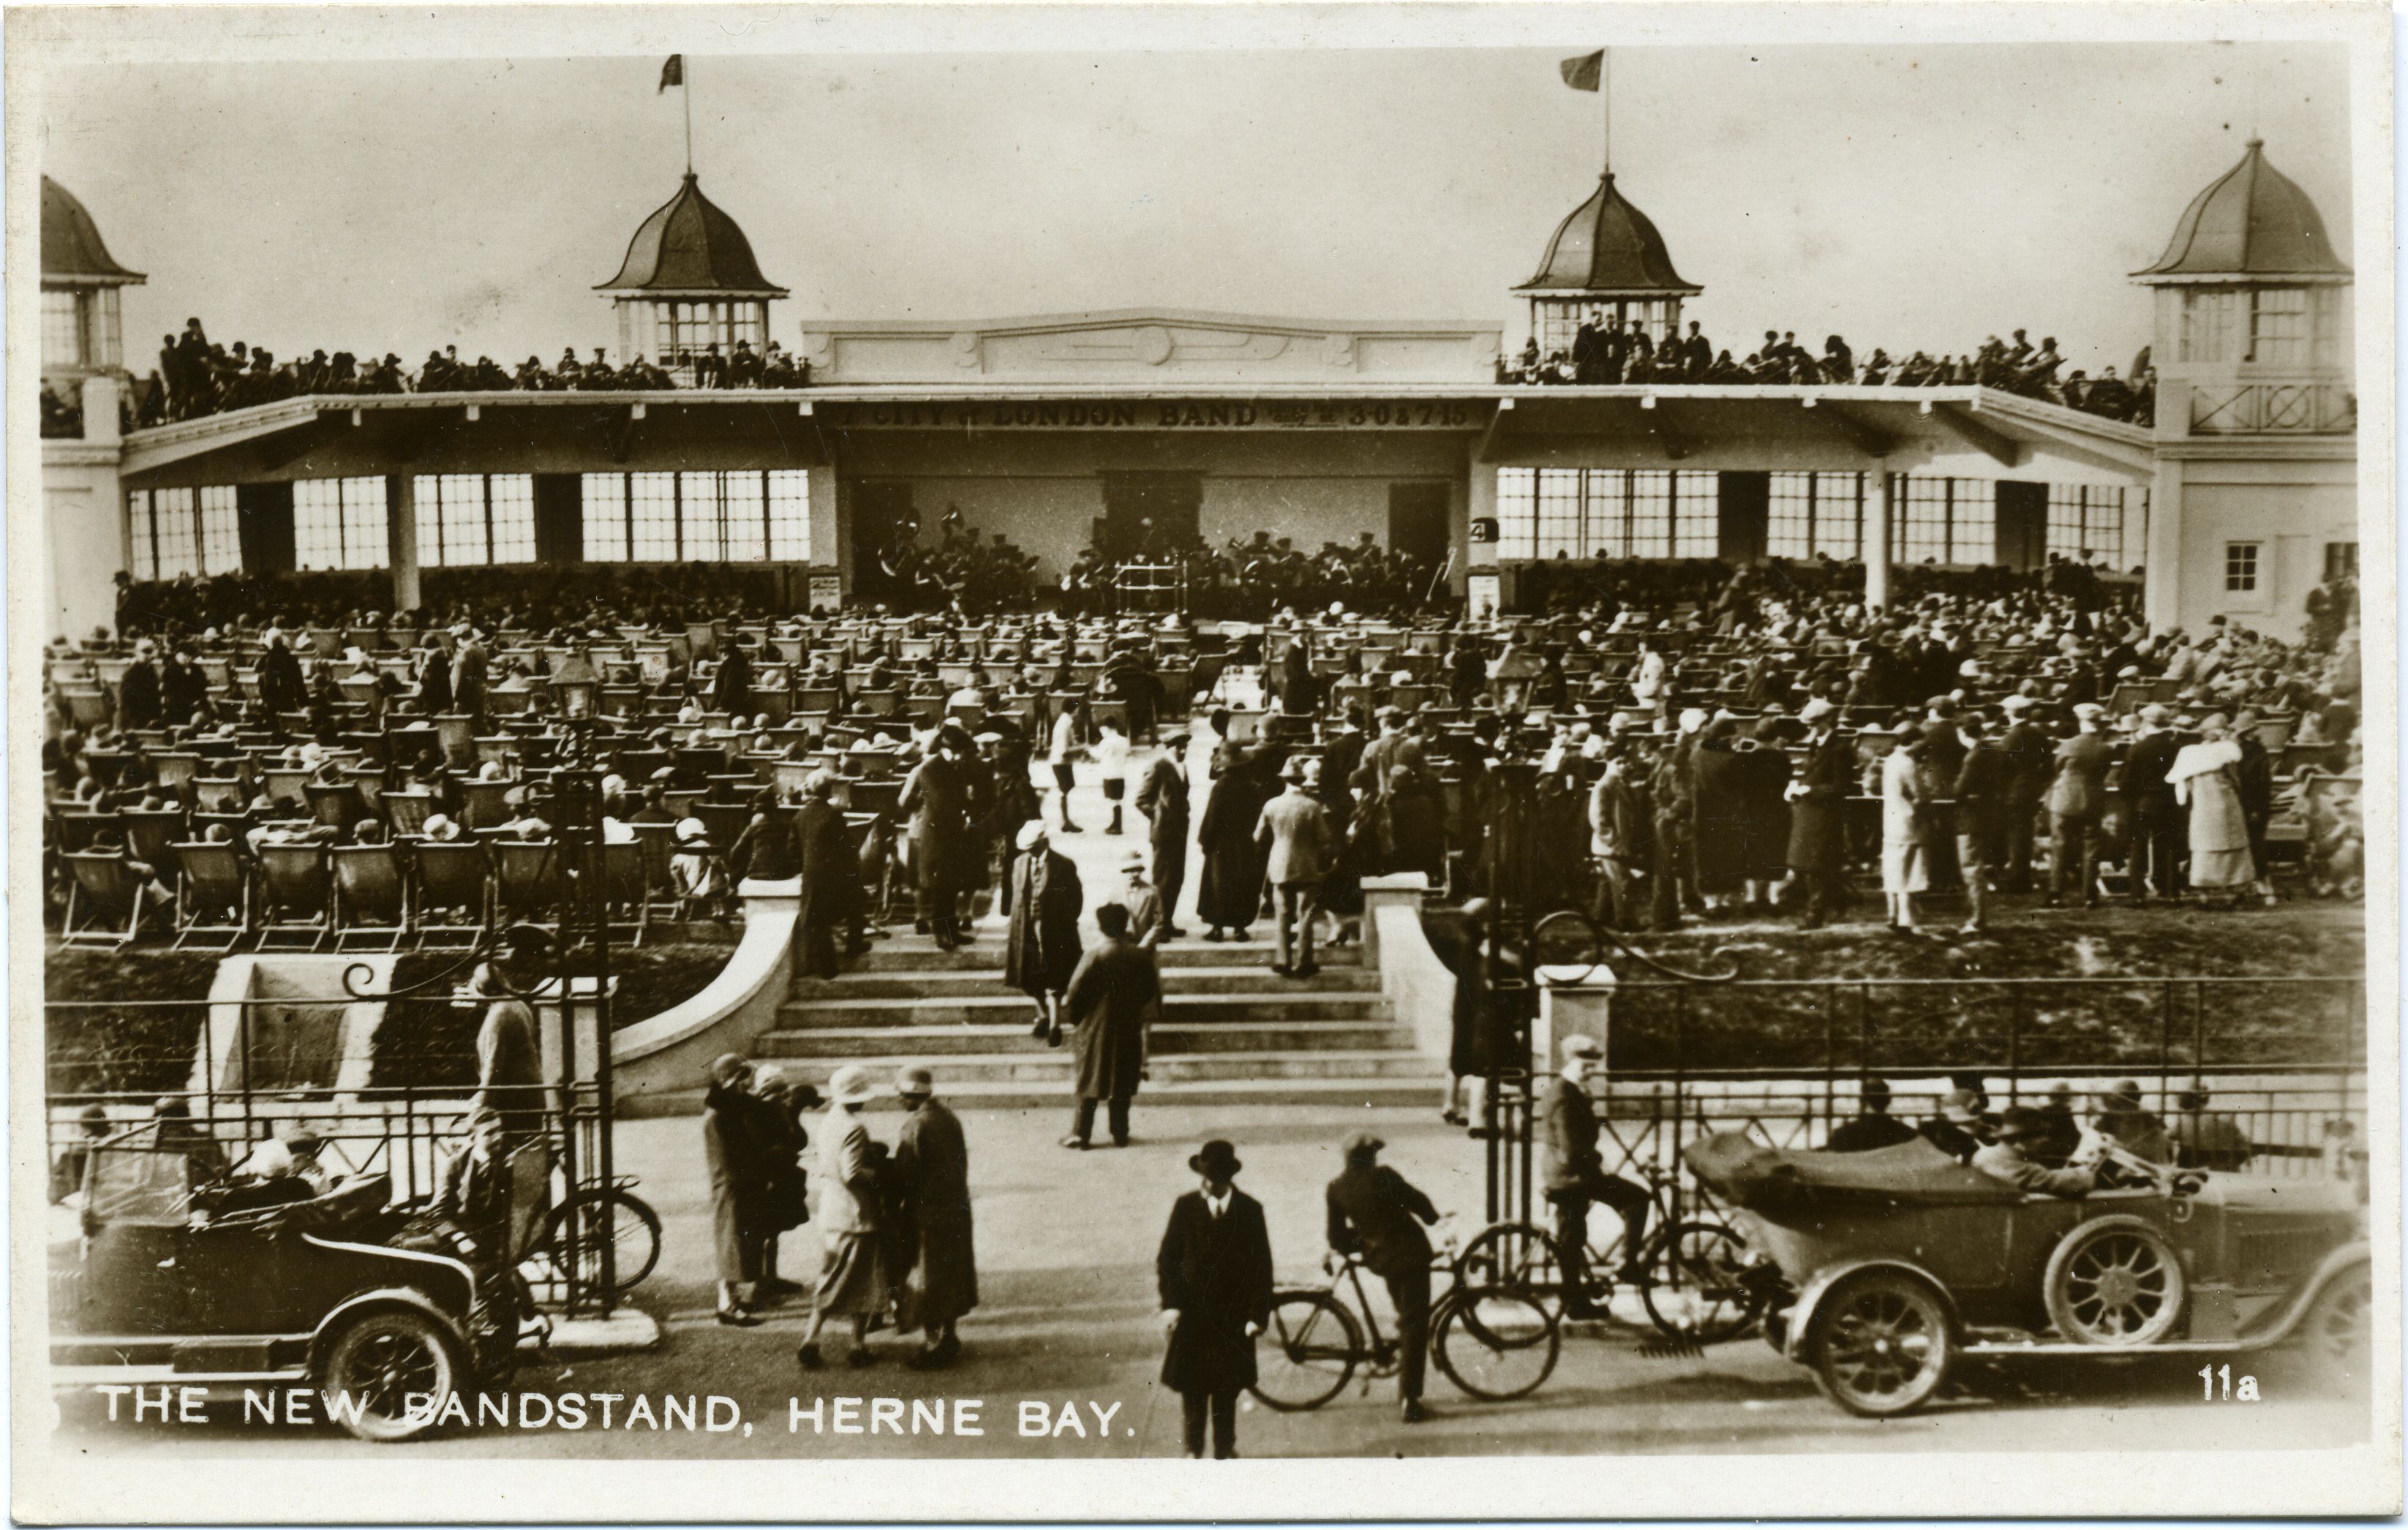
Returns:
(1698, 1287)
(575, 1239)
(1314, 1345)
(1515, 1256)
(1495, 1344)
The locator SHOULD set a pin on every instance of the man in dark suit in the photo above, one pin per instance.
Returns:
(139, 691)
(2029, 757)
(1697, 354)
(831, 875)
(1374, 1212)
(2077, 799)
(1213, 1274)
(1874, 1127)
(2159, 825)
(1818, 799)
(1981, 792)
(1587, 351)
(1162, 796)
(468, 663)
(1575, 1176)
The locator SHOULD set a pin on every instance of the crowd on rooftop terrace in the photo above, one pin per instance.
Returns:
(1605, 352)
(198, 377)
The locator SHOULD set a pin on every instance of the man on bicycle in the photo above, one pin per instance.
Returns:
(1371, 1212)
(1575, 1176)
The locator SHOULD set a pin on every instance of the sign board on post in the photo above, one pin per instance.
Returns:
(827, 594)
(1484, 595)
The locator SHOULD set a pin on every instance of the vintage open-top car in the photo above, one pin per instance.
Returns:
(153, 1283)
(1896, 1261)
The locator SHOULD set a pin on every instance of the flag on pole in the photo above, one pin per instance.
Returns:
(1581, 74)
(673, 73)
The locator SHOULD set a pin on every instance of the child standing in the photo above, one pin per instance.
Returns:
(1112, 757)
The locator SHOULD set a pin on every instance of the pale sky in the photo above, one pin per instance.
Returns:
(1910, 197)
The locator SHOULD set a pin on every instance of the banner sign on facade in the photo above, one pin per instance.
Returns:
(1163, 414)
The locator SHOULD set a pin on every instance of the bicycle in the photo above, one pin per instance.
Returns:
(1495, 1344)
(571, 1240)
(1694, 1272)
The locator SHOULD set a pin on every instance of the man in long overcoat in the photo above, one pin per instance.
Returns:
(937, 796)
(1818, 801)
(731, 1150)
(1111, 1000)
(1162, 796)
(281, 689)
(1231, 889)
(1040, 948)
(731, 685)
(1213, 1274)
(831, 875)
(138, 690)
(469, 664)
(932, 1174)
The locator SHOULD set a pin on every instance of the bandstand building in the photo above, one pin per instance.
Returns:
(1066, 431)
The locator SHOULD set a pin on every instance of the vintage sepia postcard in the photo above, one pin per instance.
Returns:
(1201, 762)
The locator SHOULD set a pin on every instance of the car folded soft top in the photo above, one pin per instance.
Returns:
(1776, 1183)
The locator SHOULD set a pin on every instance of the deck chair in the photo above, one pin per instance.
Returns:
(336, 806)
(218, 795)
(452, 878)
(215, 881)
(175, 766)
(682, 802)
(724, 822)
(104, 900)
(295, 894)
(150, 837)
(89, 709)
(287, 781)
(455, 733)
(485, 803)
(371, 897)
(77, 831)
(528, 880)
(658, 842)
(407, 812)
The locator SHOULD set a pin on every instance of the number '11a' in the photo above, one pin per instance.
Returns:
(2211, 1377)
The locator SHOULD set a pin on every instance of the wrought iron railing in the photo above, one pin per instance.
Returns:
(2321, 408)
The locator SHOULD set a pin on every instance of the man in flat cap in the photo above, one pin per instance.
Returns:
(2077, 800)
(1376, 1212)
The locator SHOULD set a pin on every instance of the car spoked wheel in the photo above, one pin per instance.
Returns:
(2115, 1283)
(2339, 1332)
(1882, 1344)
(383, 1362)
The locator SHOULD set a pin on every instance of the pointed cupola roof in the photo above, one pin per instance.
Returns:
(1608, 247)
(2252, 224)
(688, 247)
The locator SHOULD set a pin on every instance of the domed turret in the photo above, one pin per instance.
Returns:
(81, 323)
(2249, 289)
(1606, 256)
(690, 282)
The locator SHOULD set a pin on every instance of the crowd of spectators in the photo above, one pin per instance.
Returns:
(196, 377)
(1605, 351)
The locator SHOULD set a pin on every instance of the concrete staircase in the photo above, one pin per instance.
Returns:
(1232, 1030)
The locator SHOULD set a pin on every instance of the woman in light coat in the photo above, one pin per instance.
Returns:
(1903, 872)
(2206, 779)
(852, 1277)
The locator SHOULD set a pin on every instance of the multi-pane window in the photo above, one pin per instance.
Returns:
(790, 514)
(2208, 316)
(339, 524)
(2239, 568)
(606, 517)
(652, 517)
(2278, 325)
(1920, 529)
(221, 530)
(1839, 514)
(1559, 513)
(1696, 515)
(1517, 518)
(2341, 561)
(474, 519)
(1651, 514)
(171, 532)
(1973, 521)
(2087, 518)
(743, 516)
(62, 327)
(1789, 516)
(1606, 514)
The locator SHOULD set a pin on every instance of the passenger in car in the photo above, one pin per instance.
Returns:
(2010, 1159)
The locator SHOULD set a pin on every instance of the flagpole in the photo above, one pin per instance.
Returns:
(685, 88)
(1605, 101)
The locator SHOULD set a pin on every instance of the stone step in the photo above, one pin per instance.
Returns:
(907, 953)
(1056, 1067)
(1331, 1098)
(1169, 1039)
(1002, 1009)
(985, 983)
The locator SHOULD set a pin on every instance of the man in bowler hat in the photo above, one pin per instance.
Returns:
(1215, 1276)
